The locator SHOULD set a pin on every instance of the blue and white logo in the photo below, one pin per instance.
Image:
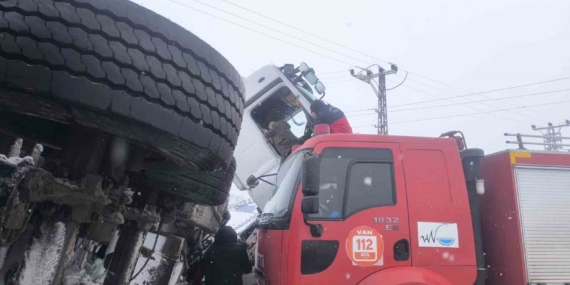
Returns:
(438, 235)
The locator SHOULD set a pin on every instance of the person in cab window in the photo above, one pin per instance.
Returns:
(226, 260)
(332, 116)
(283, 139)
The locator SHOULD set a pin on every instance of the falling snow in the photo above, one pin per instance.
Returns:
(368, 181)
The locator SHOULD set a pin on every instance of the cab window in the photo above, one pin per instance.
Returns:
(370, 185)
(354, 179)
(283, 106)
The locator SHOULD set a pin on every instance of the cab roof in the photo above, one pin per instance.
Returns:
(374, 138)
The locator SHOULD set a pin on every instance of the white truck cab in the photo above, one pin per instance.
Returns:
(272, 94)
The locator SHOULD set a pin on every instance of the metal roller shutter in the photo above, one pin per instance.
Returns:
(544, 199)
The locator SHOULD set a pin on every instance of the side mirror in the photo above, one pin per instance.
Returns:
(252, 181)
(288, 69)
(310, 205)
(320, 87)
(303, 67)
(310, 76)
(310, 176)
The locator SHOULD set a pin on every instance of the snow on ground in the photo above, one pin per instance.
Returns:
(242, 209)
(42, 258)
(90, 275)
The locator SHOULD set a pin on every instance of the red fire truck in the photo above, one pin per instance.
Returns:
(368, 209)
(525, 217)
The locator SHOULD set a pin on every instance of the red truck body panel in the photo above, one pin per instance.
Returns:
(501, 222)
(430, 188)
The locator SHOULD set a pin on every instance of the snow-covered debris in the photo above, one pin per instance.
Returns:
(90, 275)
(16, 161)
(242, 209)
(42, 258)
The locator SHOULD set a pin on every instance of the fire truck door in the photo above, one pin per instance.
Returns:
(363, 212)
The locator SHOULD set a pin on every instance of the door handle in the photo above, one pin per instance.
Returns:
(402, 250)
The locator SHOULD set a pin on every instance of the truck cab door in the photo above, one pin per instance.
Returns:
(274, 224)
(363, 212)
(274, 98)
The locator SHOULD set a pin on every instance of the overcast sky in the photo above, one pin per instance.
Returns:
(473, 45)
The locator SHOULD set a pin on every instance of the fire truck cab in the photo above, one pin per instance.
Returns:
(368, 209)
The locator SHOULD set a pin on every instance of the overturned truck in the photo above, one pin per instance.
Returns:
(117, 132)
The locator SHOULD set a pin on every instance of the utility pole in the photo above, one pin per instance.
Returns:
(551, 135)
(368, 76)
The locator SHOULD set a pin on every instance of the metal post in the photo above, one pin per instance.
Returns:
(127, 249)
(552, 135)
(520, 141)
(125, 257)
(368, 76)
(161, 264)
(382, 104)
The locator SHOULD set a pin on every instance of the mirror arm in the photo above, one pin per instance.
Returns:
(268, 175)
(316, 229)
(265, 181)
(323, 96)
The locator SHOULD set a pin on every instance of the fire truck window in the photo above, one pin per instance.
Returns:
(335, 163)
(370, 185)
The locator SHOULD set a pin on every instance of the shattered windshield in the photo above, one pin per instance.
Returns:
(287, 181)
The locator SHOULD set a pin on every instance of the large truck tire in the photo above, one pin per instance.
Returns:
(132, 72)
(200, 188)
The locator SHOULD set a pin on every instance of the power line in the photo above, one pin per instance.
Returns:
(287, 42)
(303, 31)
(334, 77)
(449, 100)
(455, 95)
(340, 45)
(281, 32)
(361, 110)
(333, 72)
(484, 92)
(481, 113)
(250, 29)
(363, 126)
(400, 83)
(335, 82)
(487, 100)
(332, 42)
(360, 115)
(466, 91)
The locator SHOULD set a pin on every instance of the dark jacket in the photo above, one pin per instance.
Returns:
(226, 260)
(332, 116)
(282, 137)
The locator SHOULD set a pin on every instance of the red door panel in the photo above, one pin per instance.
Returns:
(268, 257)
(390, 222)
(440, 219)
